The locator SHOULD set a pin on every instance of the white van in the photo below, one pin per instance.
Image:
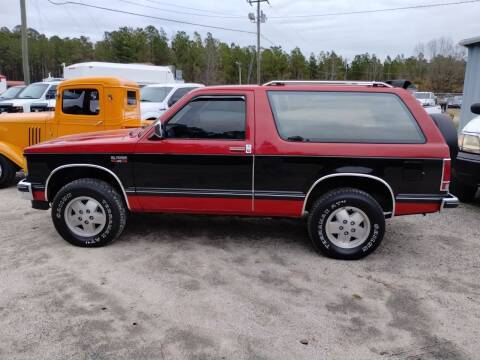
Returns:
(156, 99)
(39, 91)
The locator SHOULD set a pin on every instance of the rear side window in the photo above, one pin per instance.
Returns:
(80, 102)
(314, 116)
(209, 118)
(131, 97)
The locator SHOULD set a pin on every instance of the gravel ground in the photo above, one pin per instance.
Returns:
(186, 287)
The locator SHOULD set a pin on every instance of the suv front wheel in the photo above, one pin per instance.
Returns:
(88, 213)
(346, 224)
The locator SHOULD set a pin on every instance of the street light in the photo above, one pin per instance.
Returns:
(239, 72)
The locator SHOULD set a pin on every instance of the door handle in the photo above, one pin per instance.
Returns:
(99, 123)
(237, 148)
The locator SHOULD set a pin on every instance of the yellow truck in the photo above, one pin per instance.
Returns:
(82, 105)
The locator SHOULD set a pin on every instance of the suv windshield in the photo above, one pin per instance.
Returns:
(422, 95)
(11, 93)
(33, 91)
(154, 94)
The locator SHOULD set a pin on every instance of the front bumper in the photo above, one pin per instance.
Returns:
(25, 190)
(466, 168)
(449, 202)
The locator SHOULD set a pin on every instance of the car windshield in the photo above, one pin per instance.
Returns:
(33, 91)
(154, 94)
(11, 93)
(422, 95)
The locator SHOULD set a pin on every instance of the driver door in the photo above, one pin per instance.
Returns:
(81, 110)
(205, 162)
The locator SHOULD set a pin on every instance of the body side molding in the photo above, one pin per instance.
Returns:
(90, 166)
(350, 174)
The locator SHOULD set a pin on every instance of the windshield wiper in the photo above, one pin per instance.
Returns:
(145, 100)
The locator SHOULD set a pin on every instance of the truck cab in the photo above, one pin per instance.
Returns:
(84, 105)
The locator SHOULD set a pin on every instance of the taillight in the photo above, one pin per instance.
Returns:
(446, 174)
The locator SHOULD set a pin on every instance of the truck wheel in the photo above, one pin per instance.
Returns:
(346, 224)
(464, 192)
(7, 172)
(88, 213)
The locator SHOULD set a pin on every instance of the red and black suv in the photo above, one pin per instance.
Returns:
(345, 155)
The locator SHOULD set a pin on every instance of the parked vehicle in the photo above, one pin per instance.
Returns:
(455, 102)
(140, 73)
(32, 93)
(156, 99)
(425, 98)
(467, 165)
(87, 104)
(346, 156)
(12, 93)
(429, 101)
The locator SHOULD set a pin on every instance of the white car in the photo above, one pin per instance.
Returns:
(32, 93)
(156, 99)
(425, 98)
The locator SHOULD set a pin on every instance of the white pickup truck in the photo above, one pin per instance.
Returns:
(466, 168)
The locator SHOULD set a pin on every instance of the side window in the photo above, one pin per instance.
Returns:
(51, 93)
(178, 94)
(81, 102)
(209, 118)
(131, 97)
(315, 116)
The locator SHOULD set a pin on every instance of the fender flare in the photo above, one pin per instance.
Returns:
(13, 153)
(98, 167)
(372, 177)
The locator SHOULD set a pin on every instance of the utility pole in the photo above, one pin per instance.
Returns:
(260, 18)
(26, 70)
(239, 72)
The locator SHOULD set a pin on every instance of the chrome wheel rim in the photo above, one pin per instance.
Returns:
(85, 216)
(347, 227)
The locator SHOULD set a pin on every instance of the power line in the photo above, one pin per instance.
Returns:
(412, 7)
(180, 12)
(189, 8)
(152, 17)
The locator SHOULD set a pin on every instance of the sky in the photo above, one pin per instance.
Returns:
(381, 33)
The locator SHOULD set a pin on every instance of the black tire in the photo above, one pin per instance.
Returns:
(464, 192)
(339, 198)
(112, 207)
(449, 132)
(8, 171)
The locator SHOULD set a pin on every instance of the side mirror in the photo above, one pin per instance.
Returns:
(475, 108)
(158, 132)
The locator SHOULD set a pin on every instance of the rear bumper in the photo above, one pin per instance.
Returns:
(449, 202)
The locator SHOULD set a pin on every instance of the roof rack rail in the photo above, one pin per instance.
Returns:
(327, 82)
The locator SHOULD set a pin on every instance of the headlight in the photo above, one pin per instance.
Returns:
(50, 108)
(17, 108)
(469, 143)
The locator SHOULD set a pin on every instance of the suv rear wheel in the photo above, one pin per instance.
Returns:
(346, 223)
(88, 213)
(7, 172)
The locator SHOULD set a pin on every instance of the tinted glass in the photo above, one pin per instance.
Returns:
(11, 93)
(33, 91)
(343, 117)
(131, 97)
(80, 102)
(154, 94)
(221, 118)
(179, 93)
(52, 92)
